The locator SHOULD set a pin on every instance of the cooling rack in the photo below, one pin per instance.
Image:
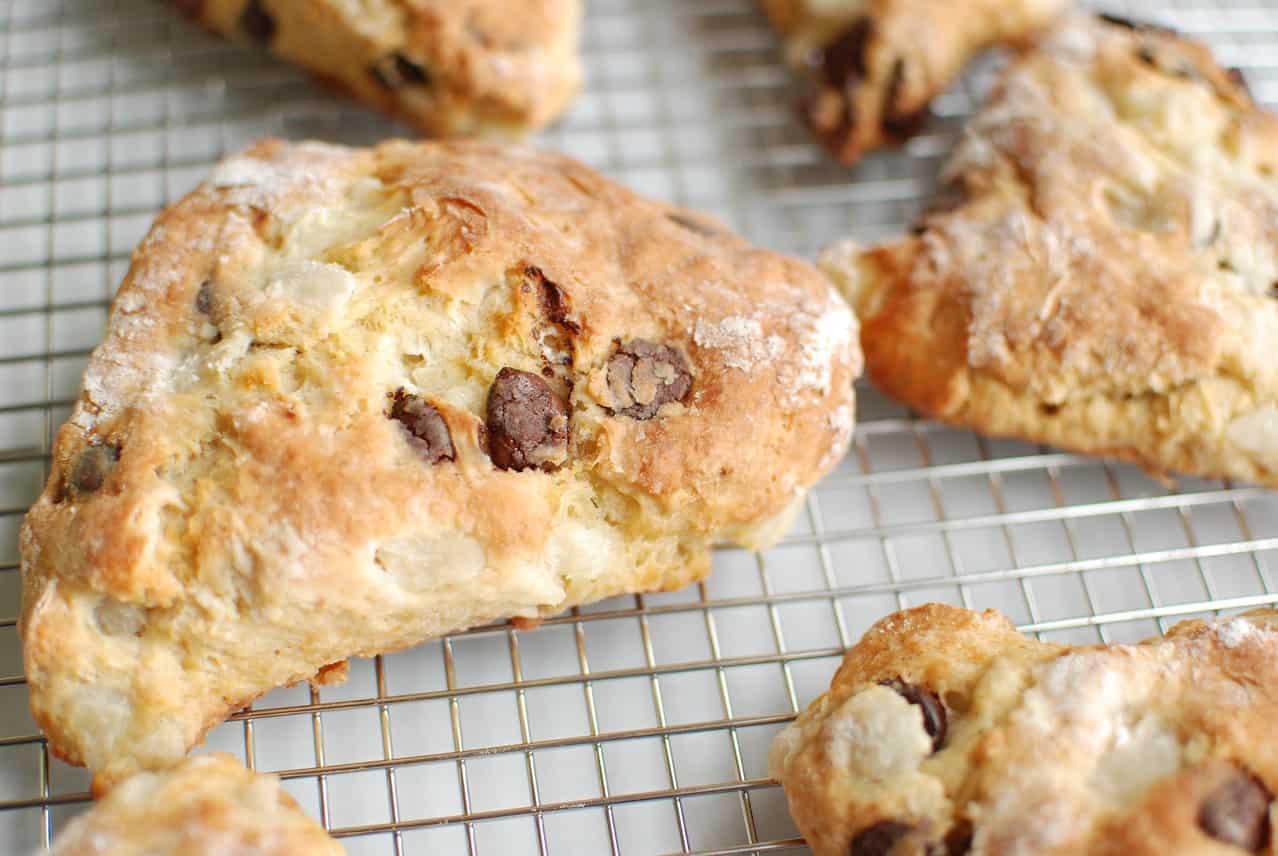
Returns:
(639, 725)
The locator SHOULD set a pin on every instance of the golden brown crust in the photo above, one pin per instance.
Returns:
(1103, 277)
(1045, 749)
(447, 67)
(207, 806)
(877, 64)
(285, 450)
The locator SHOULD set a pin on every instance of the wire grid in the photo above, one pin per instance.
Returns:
(639, 725)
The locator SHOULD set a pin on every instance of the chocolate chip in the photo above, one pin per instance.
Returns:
(897, 123)
(257, 22)
(843, 60)
(879, 839)
(91, 469)
(395, 70)
(527, 422)
(935, 719)
(693, 225)
(644, 375)
(427, 431)
(204, 299)
(1237, 812)
(190, 8)
(1146, 55)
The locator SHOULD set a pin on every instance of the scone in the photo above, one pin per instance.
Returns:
(947, 732)
(447, 67)
(352, 399)
(207, 806)
(876, 65)
(1101, 273)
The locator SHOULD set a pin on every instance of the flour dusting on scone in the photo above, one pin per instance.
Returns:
(353, 399)
(946, 732)
(1102, 271)
(447, 67)
(876, 65)
(209, 805)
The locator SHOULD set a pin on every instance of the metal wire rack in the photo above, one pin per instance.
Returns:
(638, 725)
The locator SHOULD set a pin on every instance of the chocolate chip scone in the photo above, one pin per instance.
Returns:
(352, 399)
(447, 67)
(876, 65)
(947, 732)
(209, 805)
(1101, 273)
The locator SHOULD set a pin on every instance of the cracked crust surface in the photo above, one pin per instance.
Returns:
(1103, 279)
(1027, 747)
(876, 65)
(207, 806)
(350, 399)
(447, 67)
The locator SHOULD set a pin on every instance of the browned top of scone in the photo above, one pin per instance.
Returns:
(351, 398)
(451, 67)
(945, 731)
(1110, 230)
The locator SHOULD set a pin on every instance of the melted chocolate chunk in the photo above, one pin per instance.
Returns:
(396, 70)
(527, 422)
(644, 375)
(554, 303)
(897, 123)
(879, 839)
(91, 469)
(257, 23)
(1237, 812)
(958, 840)
(190, 8)
(843, 60)
(204, 299)
(693, 225)
(427, 431)
(935, 719)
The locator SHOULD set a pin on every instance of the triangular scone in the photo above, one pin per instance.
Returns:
(209, 805)
(1101, 273)
(877, 64)
(447, 67)
(352, 399)
(947, 732)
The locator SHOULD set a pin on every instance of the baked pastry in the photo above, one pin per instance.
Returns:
(876, 65)
(1101, 273)
(446, 67)
(945, 732)
(208, 806)
(352, 399)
